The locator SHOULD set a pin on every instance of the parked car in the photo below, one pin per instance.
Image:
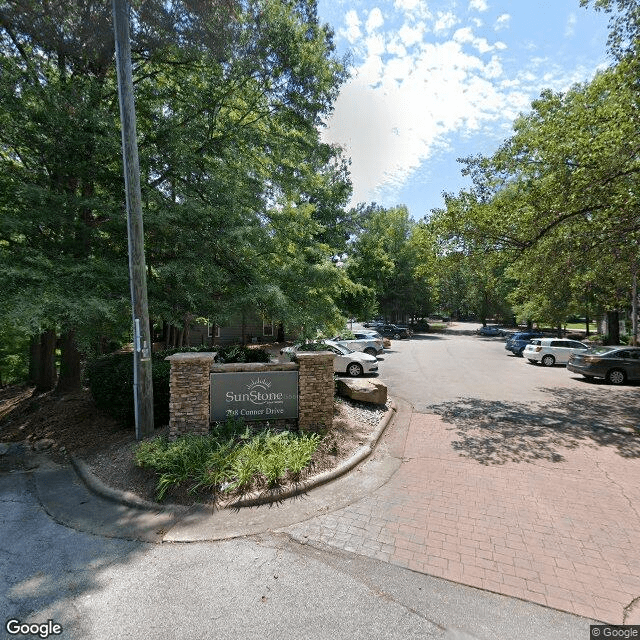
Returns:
(550, 351)
(393, 331)
(386, 343)
(364, 342)
(353, 363)
(616, 365)
(518, 341)
(491, 331)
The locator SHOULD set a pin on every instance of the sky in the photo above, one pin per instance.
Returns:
(432, 81)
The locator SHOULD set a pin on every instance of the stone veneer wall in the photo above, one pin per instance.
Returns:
(189, 410)
(316, 388)
(189, 393)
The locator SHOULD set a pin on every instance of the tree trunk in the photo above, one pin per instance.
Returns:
(70, 365)
(634, 310)
(47, 368)
(587, 322)
(34, 359)
(179, 337)
(613, 327)
(166, 330)
(187, 329)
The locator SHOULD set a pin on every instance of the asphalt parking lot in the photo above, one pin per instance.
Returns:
(431, 369)
(516, 479)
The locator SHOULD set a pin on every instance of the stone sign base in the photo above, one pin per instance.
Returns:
(189, 405)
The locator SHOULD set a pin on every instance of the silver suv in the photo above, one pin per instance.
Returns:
(365, 342)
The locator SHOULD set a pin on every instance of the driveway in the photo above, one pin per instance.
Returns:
(517, 479)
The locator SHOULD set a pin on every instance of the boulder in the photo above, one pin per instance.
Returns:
(363, 390)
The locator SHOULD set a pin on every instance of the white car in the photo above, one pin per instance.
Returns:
(550, 351)
(353, 363)
(367, 333)
(364, 342)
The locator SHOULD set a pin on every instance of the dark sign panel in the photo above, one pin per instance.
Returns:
(267, 395)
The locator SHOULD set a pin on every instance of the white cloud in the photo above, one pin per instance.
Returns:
(375, 20)
(444, 22)
(570, 29)
(413, 9)
(478, 5)
(352, 33)
(503, 21)
(411, 35)
(395, 114)
(465, 36)
(419, 83)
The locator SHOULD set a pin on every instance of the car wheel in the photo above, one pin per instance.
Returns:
(354, 370)
(396, 336)
(616, 376)
(371, 351)
(548, 361)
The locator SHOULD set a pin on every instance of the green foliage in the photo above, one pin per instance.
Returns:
(14, 356)
(388, 259)
(313, 346)
(553, 213)
(229, 458)
(244, 204)
(240, 353)
(110, 379)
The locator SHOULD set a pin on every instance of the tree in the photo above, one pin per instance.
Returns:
(229, 99)
(562, 190)
(385, 257)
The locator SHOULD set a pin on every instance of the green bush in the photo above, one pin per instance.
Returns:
(229, 458)
(313, 346)
(240, 353)
(110, 379)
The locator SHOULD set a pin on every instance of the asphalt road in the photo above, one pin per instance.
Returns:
(432, 370)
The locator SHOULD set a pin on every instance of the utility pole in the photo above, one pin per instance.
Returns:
(142, 382)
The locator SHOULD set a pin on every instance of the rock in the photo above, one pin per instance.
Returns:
(41, 445)
(363, 390)
(4, 448)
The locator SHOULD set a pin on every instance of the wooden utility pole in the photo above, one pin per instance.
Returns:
(142, 383)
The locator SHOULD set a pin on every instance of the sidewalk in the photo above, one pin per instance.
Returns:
(562, 534)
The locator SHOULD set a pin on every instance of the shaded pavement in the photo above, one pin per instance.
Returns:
(560, 529)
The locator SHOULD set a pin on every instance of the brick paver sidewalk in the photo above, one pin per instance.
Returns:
(564, 534)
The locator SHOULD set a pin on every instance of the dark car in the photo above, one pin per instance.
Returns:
(490, 330)
(518, 341)
(616, 365)
(393, 331)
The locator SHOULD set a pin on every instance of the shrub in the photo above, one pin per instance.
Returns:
(110, 379)
(240, 353)
(313, 346)
(228, 458)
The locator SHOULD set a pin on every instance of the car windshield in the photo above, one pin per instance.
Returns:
(340, 348)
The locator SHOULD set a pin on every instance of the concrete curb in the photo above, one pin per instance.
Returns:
(95, 485)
